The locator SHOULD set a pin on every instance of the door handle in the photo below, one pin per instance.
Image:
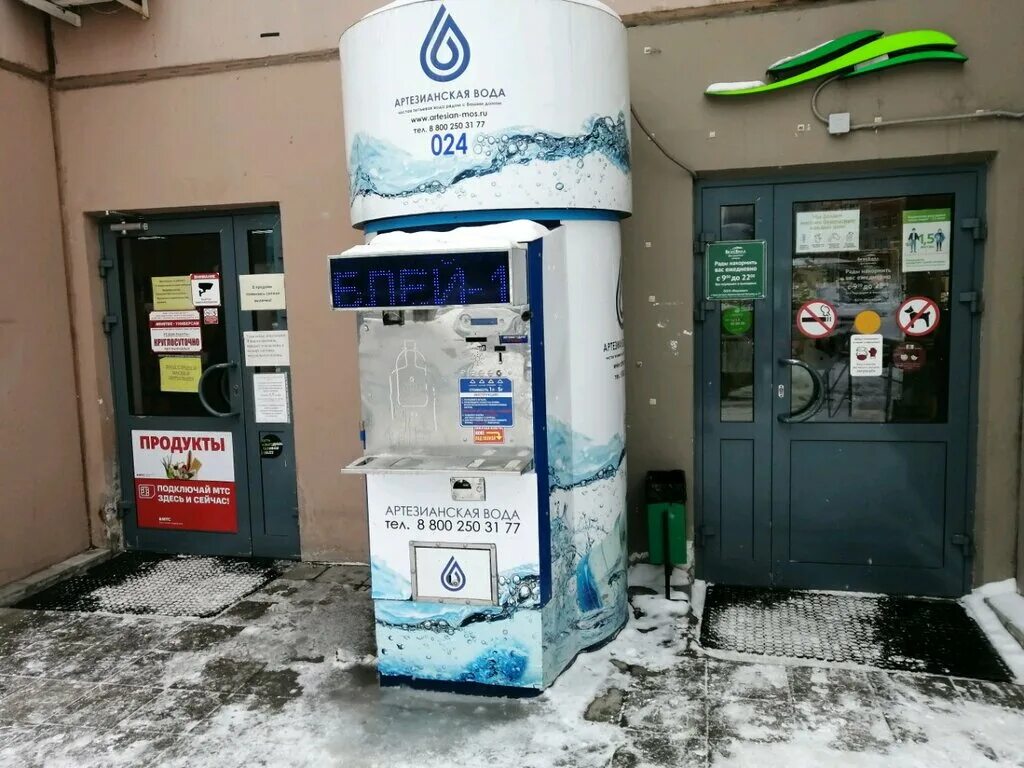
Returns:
(810, 410)
(202, 398)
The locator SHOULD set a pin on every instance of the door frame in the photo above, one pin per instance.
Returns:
(979, 173)
(235, 223)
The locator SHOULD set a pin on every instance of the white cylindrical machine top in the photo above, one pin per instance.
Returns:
(486, 105)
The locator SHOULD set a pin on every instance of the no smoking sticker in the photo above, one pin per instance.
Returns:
(918, 316)
(817, 319)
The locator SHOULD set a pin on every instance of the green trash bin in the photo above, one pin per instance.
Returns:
(665, 496)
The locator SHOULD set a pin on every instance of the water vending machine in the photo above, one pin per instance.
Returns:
(488, 306)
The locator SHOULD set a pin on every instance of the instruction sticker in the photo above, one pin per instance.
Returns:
(260, 292)
(488, 435)
(206, 289)
(171, 293)
(909, 357)
(925, 236)
(266, 348)
(180, 374)
(918, 316)
(486, 402)
(175, 332)
(270, 398)
(866, 354)
(828, 231)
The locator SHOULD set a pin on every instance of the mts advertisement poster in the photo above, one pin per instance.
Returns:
(185, 481)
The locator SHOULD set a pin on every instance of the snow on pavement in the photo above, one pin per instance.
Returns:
(287, 678)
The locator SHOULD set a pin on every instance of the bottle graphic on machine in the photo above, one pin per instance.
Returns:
(413, 404)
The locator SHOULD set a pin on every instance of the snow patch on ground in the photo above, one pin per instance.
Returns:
(997, 634)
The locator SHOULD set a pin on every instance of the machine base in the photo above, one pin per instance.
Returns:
(464, 688)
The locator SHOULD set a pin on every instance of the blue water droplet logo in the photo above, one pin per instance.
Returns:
(453, 578)
(445, 53)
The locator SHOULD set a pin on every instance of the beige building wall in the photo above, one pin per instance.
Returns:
(195, 108)
(44, 518)
(764, 137)
(268, 135)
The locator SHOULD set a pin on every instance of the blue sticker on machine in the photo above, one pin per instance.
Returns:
(522, 339)
(486, 402)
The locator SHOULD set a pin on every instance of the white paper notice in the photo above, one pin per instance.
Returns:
(866, 354)
(270, 398)
(257, 292)
(828, 231)
(266, 348)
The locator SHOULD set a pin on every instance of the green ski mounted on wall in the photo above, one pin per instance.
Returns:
(857, 53)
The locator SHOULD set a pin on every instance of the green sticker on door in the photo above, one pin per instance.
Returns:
(735, 270)
(737, 320)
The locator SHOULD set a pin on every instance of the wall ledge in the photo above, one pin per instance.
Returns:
(735, 8)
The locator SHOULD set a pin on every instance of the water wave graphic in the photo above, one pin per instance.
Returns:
(381, 169)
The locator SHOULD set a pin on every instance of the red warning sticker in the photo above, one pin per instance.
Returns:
(918, 316)
(817, 319)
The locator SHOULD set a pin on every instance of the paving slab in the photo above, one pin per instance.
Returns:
(303, 572)
(42, 701)
(295, 685)
(105, 706)
(173, 711)
(352, 576)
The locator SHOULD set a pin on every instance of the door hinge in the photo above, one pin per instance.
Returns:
(701, 243)
(122, 508)
(977, 227)
(962, 540)
(973, 301)
(105, 266)
(703, 533)
(701, 308)
(109, 321)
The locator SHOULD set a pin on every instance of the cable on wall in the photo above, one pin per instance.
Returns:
(665, 152)
(976, 115)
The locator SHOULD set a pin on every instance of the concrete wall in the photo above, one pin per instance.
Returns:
(44, 518)
(269, 135)
(757, 137)
(186, 32)
(22, 36)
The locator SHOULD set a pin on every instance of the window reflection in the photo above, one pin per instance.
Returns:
(736, 345)
(883, 269)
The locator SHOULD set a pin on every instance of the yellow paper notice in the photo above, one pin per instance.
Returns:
(180, 374)
(173, 292)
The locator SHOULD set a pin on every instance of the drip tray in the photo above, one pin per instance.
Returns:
(894, 633)
(162, 585)
(511, 461)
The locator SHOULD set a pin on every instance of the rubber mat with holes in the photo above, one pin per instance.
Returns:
(897, 633)
(162, 585)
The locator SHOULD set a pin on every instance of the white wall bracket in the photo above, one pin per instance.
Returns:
(65, 9)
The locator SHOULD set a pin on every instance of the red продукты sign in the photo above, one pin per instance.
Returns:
(185, 481)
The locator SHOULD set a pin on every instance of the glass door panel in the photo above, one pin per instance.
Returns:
(856, 265)
(156, 269)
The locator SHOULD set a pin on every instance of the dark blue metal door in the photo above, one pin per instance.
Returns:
(847, 466)
(203, 469)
